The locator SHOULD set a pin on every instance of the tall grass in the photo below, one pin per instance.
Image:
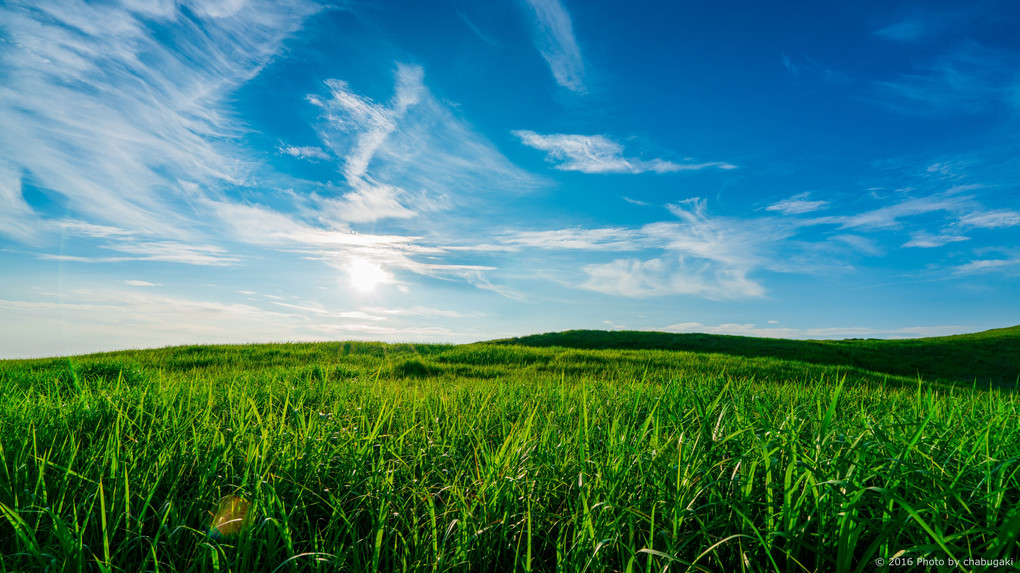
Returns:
(367, 457)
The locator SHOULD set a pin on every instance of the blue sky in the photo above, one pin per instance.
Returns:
(180, 172)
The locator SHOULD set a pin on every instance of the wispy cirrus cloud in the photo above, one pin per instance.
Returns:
(554, 38)
(342, 247)
(173, 252)
(162, 251)
(108, 106)
(82, 239)
(890, 216)
(369, 203)
(407, 156)
(637, 202)
(957, 211)
(140, 283)
(1008, 264)
(599, 154)
(637, 278)
(924, 239)
(306, 152)
(969, 78)
(797, 205)
(701, 255)
(608, 239)
(17, 219)
(995, 219)
(710, 257)
(368, 123)
(721, 257)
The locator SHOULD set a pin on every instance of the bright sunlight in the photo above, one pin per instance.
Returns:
(365, 276)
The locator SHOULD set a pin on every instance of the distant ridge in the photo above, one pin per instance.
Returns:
(991, 356)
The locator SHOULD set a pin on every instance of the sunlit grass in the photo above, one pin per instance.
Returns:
(367, 457)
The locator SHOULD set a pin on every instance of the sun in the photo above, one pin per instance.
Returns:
(365, 276)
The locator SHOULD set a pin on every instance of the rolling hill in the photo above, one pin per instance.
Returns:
(991, 356)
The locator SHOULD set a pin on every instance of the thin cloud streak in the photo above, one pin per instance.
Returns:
(1009, 265)
(998, 219)
(608, 239)
(599, 154)
(967, 79)
(797, 205)
(924, 239)
(554, 38)
(162, 251)
(889, 216)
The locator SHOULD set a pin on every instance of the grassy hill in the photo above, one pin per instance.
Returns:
(587, 451)
(992, 356)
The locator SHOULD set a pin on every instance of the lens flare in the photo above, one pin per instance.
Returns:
(230, 518)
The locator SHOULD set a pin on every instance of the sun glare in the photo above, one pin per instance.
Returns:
(365, 276)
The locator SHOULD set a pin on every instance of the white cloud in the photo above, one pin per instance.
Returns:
(990, 219)
(702, 255)
(890, 215)
(554, 38)
(925, 239)
(169, 251)
(1009, 265)
(164, 251)
(598, 154)
(139, 283)
(477, 279)
(83, 229)
(407, 156)
(123, 114)
(728, 241)
(710, 257)
(797, 205)
(17, 219)
(367, 204)
(107, 106)
(369, 123)
(608, 239)
(658, 277)
(311, 153)
(340, 247)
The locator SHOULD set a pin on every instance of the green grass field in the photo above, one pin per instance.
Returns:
(579, 451)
